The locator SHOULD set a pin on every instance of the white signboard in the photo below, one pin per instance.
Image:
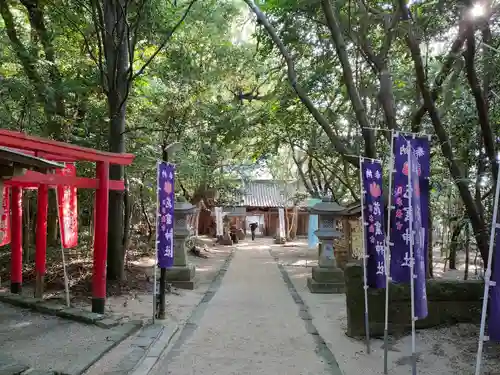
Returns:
(218, 221)
(281, 215)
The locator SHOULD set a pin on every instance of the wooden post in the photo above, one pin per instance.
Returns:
(287, 223)
(16, 268)
(101, 238)
(41, 238)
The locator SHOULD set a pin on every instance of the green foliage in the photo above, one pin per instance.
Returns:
(220, 87)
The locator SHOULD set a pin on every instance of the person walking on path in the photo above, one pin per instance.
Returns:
(253, 228)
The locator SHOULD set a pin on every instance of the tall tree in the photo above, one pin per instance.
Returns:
(119, 25)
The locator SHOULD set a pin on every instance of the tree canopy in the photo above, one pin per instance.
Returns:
(294, 89)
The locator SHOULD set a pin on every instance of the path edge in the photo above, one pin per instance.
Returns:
(163, 340)
(76, 314)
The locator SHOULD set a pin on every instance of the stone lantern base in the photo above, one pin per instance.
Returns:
(328, 280)
(279, 240)
(226, 240)
(182, 277)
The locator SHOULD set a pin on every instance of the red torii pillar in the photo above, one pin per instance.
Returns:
(41, 238)
(100, 238)
(16, 260)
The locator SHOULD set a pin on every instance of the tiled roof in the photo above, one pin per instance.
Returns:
(264, 194)
(12, 156)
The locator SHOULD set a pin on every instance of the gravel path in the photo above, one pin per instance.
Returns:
(250, 327)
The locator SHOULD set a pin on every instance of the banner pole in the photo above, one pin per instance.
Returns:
(487, 277)
(155, 265)
(365, 255)
(163, 272)
(61, 233)
(387, 252)
(412, 262)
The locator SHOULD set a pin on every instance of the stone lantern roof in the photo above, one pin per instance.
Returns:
(327, 207)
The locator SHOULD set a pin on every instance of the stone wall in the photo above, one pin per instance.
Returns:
(449, 302)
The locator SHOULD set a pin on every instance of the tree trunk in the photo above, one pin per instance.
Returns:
(116, 250)
(359, 109)
(467, 251)
(454, 246)
(143, 210)
(116, 53)
(91, 225)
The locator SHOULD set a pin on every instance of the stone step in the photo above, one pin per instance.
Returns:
(325, 288)
(33, 371)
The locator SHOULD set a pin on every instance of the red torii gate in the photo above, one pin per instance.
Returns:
(61, 152)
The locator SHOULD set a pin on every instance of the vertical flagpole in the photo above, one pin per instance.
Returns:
(487, 277)
(155, 265)
(387, 252)
(412, 262)
(365, 255)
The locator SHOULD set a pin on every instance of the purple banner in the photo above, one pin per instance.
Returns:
(400, 215)
(418, 242)
(165, 215)
(494, 306)
(373, 211)
(422, 149)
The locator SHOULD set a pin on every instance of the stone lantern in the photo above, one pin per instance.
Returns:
(181, 275)
(327, 277)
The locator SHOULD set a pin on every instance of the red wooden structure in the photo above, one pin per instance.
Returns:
(61, 152)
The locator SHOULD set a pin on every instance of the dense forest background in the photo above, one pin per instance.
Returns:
(291, 88)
